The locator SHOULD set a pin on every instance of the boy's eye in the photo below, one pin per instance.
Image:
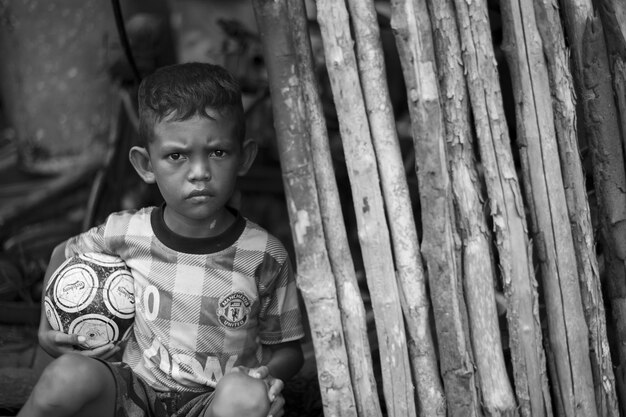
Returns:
(218, 153)
(174, 156)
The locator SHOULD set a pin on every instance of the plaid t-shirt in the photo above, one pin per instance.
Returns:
(203, 305)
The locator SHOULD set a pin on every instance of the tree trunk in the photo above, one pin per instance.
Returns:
(314, 275)
(368, 204)
(564, 107)
(409, 19)
(411, 280)
(350, 301)
(507, 210)
(479, 274)
(601, 120)
(536, 140)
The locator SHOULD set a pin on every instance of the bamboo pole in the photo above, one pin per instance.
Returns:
(410, 272)
(564, 107)
(536, 139)
(409, 20)
(314, 275)
(350, 301)
(368, 204)
(507, 211)
(479, 275)
(602, 126)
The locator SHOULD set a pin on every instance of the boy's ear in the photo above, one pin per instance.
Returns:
(140, 159)
(250, 149)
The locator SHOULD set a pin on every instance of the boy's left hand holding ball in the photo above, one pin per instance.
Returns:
(57, 343)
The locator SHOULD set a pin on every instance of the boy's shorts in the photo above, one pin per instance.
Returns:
(135, 398)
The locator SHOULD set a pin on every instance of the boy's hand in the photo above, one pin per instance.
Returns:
(274, 391)
(57, 343)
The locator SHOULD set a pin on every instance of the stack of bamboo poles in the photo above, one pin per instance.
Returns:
(491, 228)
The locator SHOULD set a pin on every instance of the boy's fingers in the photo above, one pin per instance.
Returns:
(276, 388)
(61, 338)
(261, 372)
(102, 352)
(277, 407)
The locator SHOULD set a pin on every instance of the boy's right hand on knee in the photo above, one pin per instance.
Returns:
(58, 343)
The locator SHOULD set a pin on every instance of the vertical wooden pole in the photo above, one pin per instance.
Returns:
(406, 249)
(603, 130)
(368, 204)
(536, 139)
(479, 275)
(507, 210)
(564, 107)
(348, 292)
(314, 275)
(411, 25)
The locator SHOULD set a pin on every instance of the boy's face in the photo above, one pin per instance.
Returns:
(195, 163)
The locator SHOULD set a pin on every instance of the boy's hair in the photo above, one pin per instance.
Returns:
(185, 90)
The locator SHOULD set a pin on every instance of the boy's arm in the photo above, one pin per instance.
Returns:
(56, 343)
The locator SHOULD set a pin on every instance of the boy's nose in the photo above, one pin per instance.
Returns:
(199, 170)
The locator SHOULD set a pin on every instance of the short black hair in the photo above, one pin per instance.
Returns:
(187, 90)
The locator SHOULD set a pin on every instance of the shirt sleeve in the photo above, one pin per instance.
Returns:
(280, 317)
(92, 240)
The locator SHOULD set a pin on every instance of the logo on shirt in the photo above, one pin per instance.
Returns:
(233, 310)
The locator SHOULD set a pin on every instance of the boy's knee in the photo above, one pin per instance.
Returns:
(238, 394)
(70, 375)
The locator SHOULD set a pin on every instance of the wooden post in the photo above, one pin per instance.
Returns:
(348, 293)
(314, 275)
(536, 139)
(409, 267)
(603, 130)
(507, 210)
(56, 91)
(368, 204)
(411, 25)
(564, 107)
(479, 276)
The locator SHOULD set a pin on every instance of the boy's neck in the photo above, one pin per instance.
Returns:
(204, 228)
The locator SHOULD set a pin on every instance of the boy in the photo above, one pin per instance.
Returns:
(217, 323)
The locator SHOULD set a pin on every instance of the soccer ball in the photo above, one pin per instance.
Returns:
(92, 295)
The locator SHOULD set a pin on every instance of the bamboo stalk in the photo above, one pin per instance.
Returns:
(368, 204)
(350, 301)
(567, 328)
(602, 125)
(507, 210)
(564, 107)
(314, 275)
(409, 20)
(410, 272)
(478, 268)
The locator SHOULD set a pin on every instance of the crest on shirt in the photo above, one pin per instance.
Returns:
(233, 309)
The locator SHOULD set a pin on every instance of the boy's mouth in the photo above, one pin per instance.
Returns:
(200, 193)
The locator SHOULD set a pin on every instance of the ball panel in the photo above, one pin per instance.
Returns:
(103, 259)
(75, 288)
(58, 271)
(118, 294)
(97, 329)
(52, 315)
